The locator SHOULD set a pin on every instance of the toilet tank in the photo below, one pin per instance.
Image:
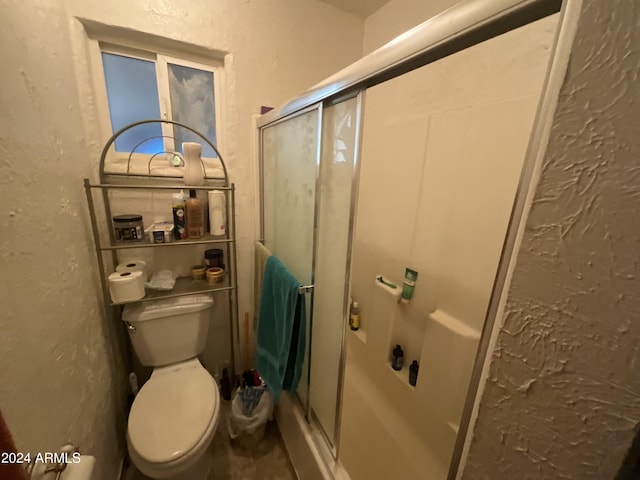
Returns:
(169, 331)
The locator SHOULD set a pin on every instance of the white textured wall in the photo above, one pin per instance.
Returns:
(55, 381)
(563, 393)
(54, 362)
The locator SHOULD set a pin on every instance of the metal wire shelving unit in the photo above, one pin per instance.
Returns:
(131, 179)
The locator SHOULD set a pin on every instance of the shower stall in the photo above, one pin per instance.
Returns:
(419, 155)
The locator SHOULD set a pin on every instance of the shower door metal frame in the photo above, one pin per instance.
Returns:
(360, 96)
(458, 28)
(319, 107)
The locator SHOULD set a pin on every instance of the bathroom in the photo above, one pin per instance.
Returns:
(61, 377)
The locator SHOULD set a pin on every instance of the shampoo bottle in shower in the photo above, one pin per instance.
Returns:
(397, 358)
(195, 216)
(413, 373)
(354, 317)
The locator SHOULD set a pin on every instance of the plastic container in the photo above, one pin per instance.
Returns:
(410, 277)
(195, 216)
(128, 228)
(179, 216)
(413, 373)
(214, 257)
(198, 272)
(193, 172)
(217, 213)
(354, 317)
(160, 232)
(215, 275)
(397, 358)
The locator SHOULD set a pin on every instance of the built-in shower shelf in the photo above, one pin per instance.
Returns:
(403, 376)
(360, 335)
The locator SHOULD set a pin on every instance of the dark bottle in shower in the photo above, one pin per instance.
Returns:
(397, 359)
(413, 373)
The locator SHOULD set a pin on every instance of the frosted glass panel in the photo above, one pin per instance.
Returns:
(132, 92)
(193, 104)
(290, 157)
(329, 307)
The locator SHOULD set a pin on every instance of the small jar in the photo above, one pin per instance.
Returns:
(213, 258)
(198, 272)
(215, 275)
(128, 228)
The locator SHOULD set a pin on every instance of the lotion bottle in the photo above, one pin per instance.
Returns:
(354, 317)
(195, 216)
(193, 173)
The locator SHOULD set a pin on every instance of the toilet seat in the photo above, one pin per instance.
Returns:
(172, 413)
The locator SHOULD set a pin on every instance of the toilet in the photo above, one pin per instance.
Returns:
(175, 414)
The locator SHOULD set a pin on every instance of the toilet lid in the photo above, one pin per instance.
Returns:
(171, 414)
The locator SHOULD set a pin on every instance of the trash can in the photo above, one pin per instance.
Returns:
(251, 408)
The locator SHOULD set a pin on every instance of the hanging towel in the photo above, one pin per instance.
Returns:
(261, 256)
(281, 329)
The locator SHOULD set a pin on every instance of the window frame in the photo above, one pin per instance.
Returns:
(161, 59)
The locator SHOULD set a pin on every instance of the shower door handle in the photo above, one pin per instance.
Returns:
(305, 289)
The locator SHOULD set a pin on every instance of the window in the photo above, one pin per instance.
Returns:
(143, 85)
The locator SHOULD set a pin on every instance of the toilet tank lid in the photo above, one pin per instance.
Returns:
(140, 312)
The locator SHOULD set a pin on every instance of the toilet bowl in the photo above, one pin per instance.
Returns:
(172, 422)
(175, 414)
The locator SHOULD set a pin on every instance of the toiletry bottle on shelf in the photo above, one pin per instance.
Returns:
(193, 173)
(195, 216)
(217, 213)
(179, 217)
(413, 372)
(397, 358)
(410, 277)
(354, 317)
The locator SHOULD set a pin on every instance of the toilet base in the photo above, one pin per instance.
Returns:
(198, 471)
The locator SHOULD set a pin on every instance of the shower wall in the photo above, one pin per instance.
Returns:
(442, 152)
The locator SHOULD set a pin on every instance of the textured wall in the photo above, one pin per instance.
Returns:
(563, 393)
(56, 374)
(56, 384)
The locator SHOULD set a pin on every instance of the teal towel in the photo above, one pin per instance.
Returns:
(281, 329)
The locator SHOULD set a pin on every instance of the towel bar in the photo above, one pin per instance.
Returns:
(305, 289)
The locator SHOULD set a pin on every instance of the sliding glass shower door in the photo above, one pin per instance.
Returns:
(340, 128)
(290, 157)
(308, 173)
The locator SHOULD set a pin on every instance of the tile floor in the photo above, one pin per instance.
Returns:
(244, 458)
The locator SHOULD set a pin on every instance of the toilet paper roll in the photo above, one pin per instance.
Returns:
(217, 213)
(134, 266)
(126, 286)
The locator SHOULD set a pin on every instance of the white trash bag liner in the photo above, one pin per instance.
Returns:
(238, 422)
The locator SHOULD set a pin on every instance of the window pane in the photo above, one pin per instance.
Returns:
(193, 103)
(133, 96)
